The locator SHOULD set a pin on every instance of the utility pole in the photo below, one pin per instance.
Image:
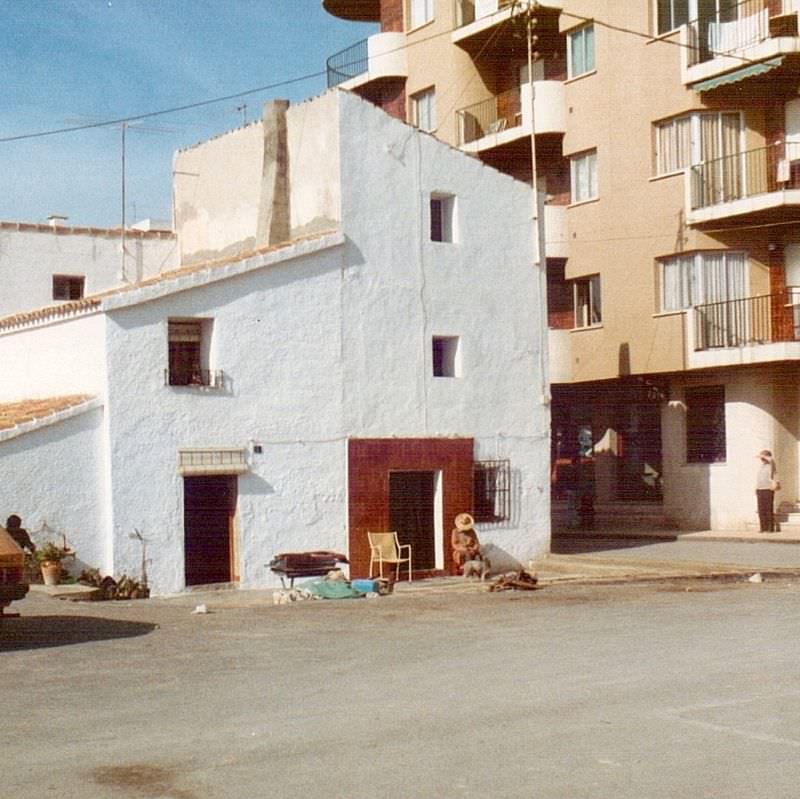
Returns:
(531, 21)
(124, 128)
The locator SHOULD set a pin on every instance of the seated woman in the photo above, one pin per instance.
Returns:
(464, 541)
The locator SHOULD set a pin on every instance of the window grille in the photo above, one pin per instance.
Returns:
(491, 496)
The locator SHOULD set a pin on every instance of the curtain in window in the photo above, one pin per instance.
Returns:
(582, 51)
(732, 171)
(584, 177)
(673, 145)
(421, 12)
(595, 307)
(677, 280)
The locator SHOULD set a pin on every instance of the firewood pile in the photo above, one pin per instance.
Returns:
(109, 588)
(515, 581)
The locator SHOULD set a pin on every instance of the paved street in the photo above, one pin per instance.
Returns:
(625, 691)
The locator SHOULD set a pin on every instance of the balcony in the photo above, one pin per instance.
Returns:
(720, 52)
(752, 186)
(559, 343)
(194, 377)
(745, 331)
(475, 18)
(381, 56)
(355, 10)
(556, 239)
(506, 117)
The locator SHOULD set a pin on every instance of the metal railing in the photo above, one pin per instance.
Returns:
(746, 174)
(200, 378)
(501, 112)
(739, 25)
(348, 63)
(764, 319)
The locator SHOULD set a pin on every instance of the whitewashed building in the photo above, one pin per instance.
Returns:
(43, 264)
(354, 342)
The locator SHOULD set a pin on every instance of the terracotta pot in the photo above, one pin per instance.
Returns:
(51, 572)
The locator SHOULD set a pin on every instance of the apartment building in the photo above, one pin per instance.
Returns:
(666, 142)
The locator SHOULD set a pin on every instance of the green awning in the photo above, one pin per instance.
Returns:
(739, 74)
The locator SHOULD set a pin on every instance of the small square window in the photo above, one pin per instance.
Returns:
(446, 356)
(443, 209)
(68, 287)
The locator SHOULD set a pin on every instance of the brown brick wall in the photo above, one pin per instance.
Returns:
(389, 94)
(369, 464)
(391, 16)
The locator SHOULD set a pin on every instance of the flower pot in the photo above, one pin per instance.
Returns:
(51, 572)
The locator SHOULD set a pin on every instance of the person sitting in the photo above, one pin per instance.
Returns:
(15, 529)
(464, 541)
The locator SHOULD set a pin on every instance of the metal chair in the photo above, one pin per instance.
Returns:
(386, 548)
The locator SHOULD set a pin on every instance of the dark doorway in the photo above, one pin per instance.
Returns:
(209, 507)
(411, 501)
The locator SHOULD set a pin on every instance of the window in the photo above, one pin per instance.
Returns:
(581, 51)
(189, 353)
(702, 277)
(587, 301)
(705, 424)
(672, 14)
(423, 110)
(419, 12)
(443, 207)
(491, 494)
(583, 176)
(446, 357)
(68, 287)
(673, 145)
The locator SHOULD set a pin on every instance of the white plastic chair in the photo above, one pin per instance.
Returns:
(386, 548)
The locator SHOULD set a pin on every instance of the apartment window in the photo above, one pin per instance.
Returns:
(423, 109)
(673, 145)
(68, 287)
(419, 12)
(491, 494)
(581, 51)
(443, 209)
(189, 353)
(583, 176)
(705, 424)
(446, 360)
(702, 277)
(588, 307)
(671, 14)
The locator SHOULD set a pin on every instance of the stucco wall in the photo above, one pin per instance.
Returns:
(53, 478)
(30, 258)
(54, 359)
(761, 412)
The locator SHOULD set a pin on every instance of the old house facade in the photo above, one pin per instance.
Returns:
(342, 349)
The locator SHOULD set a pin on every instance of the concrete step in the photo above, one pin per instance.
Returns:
(619, 515)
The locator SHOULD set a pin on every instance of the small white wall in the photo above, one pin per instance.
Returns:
(53, 478)
(761, 412)
(29, 257)
(54, 359)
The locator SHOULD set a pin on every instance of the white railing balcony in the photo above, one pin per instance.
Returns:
(556, 239)
(759, 30)
(476, 16)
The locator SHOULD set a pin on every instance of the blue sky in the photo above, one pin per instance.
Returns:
(64, 62)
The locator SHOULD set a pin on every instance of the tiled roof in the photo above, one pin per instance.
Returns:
(13, 414)
(95, 301)
(70, 230)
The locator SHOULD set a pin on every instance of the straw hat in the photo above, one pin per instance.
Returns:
(765, 455)
(464, 521)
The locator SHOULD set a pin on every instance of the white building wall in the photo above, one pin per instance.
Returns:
(54, 359)
(31, 254)
(53, 478)
(761, 412)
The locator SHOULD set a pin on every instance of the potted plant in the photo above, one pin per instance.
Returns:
(50, 556)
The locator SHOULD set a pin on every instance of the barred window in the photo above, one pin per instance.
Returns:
(491, 497)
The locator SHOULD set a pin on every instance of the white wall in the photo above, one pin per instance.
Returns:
(54, 359)
(53, 478)
(29, 257)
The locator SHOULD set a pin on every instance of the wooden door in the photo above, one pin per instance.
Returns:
(411, 509)
(209, 509)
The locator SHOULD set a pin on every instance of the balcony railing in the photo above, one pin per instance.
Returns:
(765, 319)
(746, 174)
(750, 24)
(467, 11)
(348, 63)
(498, 113)
(199, 378)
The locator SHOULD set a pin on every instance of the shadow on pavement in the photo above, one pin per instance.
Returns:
(39, 632)
(577, 544)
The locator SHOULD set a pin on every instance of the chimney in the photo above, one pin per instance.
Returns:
(56, 220)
